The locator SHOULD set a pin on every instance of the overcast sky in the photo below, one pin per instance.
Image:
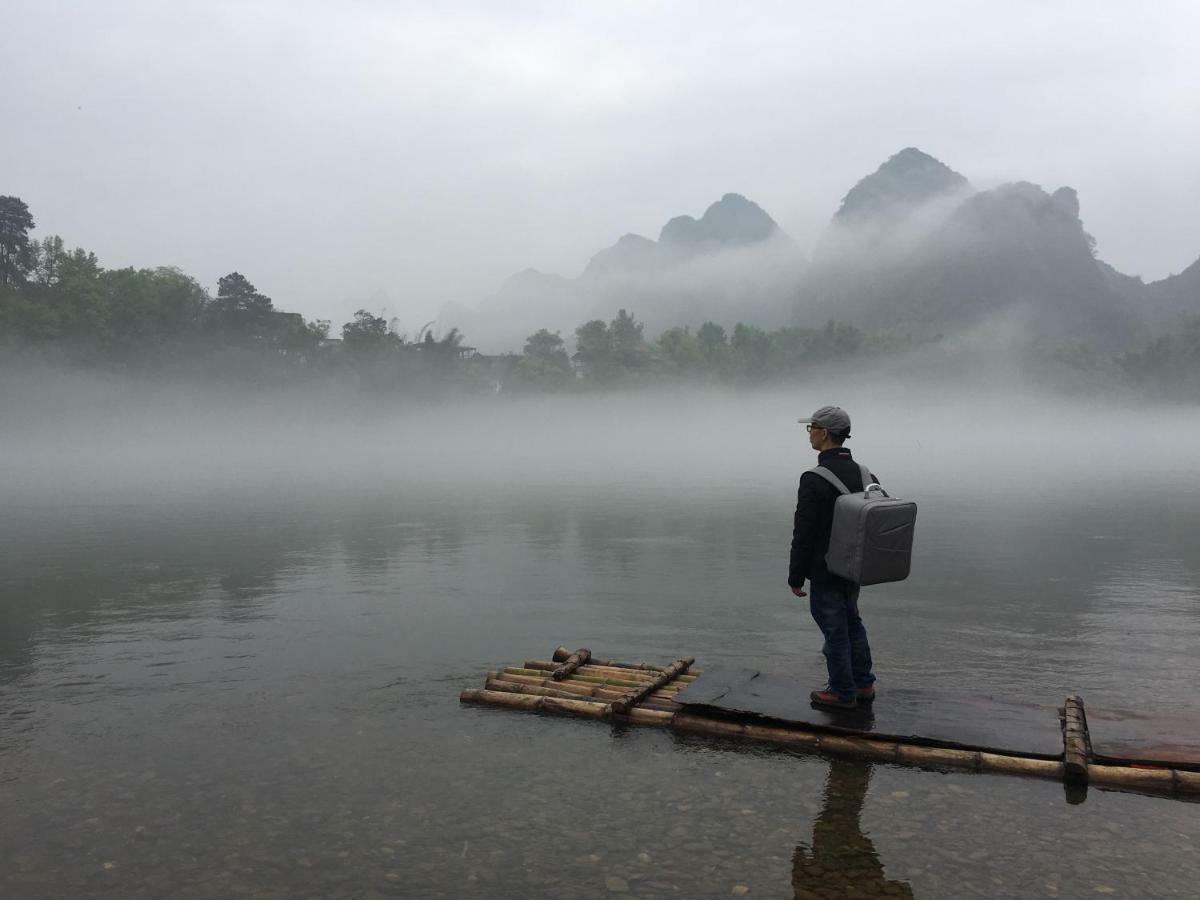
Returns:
(330, 152)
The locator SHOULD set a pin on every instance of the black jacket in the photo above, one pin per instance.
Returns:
(814, 518)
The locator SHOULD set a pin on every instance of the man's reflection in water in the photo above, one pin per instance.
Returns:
(842, 861)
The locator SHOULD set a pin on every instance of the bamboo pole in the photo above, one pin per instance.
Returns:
(592, 668)
(1160, 780)
(910, 755)
(584, 708)
(1187, 782)
(576, 687)
(534, 690)
(861, 747)
(572, 692)
(1020, 765)
(562, 653)
(622, 706)
(590, 679)
(1131, 778)
(1076, 742)
(574, 661)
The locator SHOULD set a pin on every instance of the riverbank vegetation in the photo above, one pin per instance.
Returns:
(61, 306)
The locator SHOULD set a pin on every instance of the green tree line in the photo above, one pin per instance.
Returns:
(617, 353)
(62, 305)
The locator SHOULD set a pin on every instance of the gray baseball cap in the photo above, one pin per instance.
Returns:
(834, 418)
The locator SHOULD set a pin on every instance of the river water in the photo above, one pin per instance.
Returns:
(230, 660)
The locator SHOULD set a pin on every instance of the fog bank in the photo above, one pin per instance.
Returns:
(112, 442)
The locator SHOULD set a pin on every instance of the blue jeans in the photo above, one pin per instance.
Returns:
(847, 654)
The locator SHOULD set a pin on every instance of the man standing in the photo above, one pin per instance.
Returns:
(834, 600)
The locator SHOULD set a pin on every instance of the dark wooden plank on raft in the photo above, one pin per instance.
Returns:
(574, 661)
(634, 697)
(1145, 737)
(1076, 748)
(928, 718)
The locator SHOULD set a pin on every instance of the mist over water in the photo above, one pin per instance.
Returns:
(965, 431)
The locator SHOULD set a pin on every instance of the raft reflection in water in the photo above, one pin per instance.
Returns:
(842, 861)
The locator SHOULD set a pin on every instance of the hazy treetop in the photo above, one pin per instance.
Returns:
(428, 151)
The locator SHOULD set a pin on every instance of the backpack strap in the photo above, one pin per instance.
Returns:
(822, 472)
(867, 476)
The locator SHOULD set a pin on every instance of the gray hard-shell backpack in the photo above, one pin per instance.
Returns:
(872, 535)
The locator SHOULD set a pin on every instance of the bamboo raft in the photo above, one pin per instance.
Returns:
(577, 684)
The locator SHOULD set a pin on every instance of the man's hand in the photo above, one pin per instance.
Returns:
(799, 592)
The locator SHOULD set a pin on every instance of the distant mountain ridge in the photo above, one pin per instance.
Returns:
(733, 221)
(732, 261)
(905, 182)
(912, 247)
(1174, 295)
(915, 248)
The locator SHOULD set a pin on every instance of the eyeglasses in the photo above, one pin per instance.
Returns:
(809, 428)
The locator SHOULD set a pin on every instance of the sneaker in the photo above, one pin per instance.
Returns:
(831, 700)
(866, 695)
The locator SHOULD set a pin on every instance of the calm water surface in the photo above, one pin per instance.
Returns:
(252, 689)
